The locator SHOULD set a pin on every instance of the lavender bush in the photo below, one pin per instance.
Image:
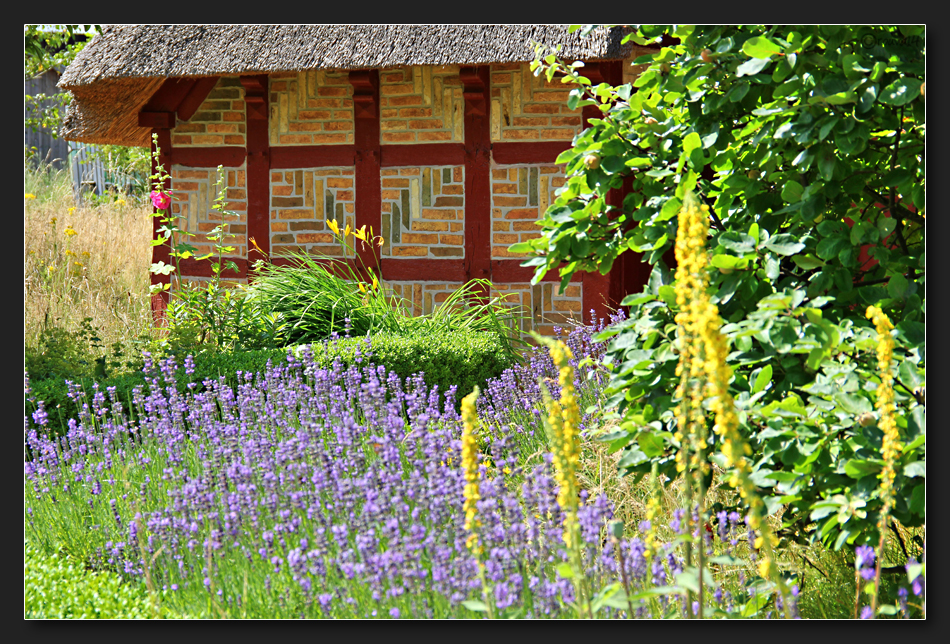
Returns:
(307, 492)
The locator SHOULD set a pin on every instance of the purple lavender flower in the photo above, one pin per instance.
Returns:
(864, 561)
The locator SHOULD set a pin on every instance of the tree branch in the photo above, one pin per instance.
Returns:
(904, 212)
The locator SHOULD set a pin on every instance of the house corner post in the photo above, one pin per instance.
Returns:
(367, 186)
(258, 167)
(477, 129)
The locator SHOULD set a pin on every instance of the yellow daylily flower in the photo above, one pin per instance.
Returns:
(361, 233)
(346, 233)
(362, 288)
(375, 283)
(381, 242)
(332, 225)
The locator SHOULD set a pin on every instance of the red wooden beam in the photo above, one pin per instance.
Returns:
(171, 93)
(157, 120)
(258, 165)
(422, 154)
(229, 156)
(528, 152)
(195, 97)
(411, 270)
(311, 156)
(195, 268)
(366, 131)
(510, 270)
(476, 92)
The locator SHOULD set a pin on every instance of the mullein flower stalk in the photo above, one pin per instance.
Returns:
(891, 443)
(704, 373)
(562, 425)
(471, 492)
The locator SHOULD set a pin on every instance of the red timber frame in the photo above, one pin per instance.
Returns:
(181, 97)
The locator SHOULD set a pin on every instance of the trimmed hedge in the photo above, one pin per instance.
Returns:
(58, 588)
(460, 358)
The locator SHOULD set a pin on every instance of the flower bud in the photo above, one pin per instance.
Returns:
(592, 161)
(866, 419)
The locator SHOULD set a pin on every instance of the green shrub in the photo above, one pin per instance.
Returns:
(57, 588)
(446, 358)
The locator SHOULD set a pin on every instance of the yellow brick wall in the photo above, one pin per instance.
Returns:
(423, 212)
(525, 107)
(193, 193)
(520, 196)
(300, 203)
(311, 108)
(421, 104)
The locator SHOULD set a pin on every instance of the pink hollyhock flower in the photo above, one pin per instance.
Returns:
(161, 200)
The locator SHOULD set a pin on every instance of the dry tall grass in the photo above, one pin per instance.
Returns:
(90, 261)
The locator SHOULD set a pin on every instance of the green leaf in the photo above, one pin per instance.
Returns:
(752, 66)
(915, 469)
(897, 286)
(784, 244)
(763, 379)
(901, 91)
(475, 605)
(859, 468)
(807, 262)
(760, 47)
(692, 142)
(792, 192)
(852, 403)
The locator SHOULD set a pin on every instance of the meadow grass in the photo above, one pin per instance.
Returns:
(83, 263)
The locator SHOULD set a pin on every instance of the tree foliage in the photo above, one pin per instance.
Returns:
(47, 47)
(807, 144)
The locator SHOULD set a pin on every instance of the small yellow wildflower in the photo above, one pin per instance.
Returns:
(120, 202)
(69, 232)
(70, 210)
(29, 196)
(69, 252)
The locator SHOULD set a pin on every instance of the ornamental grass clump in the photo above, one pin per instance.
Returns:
(317, 492)
(705, 375)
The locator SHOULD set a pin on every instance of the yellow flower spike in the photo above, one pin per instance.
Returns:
(332, 225)
(470, 466)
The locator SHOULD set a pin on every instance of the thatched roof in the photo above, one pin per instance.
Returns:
(116, 74)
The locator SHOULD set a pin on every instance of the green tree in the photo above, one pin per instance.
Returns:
(807, 144)
(46, 47)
